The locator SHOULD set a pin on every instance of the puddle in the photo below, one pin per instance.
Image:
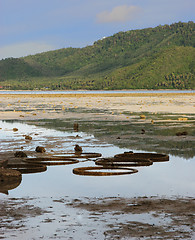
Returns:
(96, 218)
(159, 179)
(57, 204)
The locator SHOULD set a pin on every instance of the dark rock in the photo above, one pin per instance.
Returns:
(3, 163)
(76, 127)
(28, 137)
(78, 148)
(20, 154)
(181, 133)
(40, 149)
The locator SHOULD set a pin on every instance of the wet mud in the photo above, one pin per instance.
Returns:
(98, 218)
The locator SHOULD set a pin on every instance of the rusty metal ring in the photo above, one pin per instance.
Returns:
(155, 157)
(27, 168)
(120, 162)
(51, 161)
(78, 155)
(89, 171)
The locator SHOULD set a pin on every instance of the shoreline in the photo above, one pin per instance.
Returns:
(123, 91)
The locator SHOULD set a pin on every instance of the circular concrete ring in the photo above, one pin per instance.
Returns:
(89, 171)
(51, 161)
(27, 168)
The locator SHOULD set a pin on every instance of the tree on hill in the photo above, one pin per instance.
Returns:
(161, 57)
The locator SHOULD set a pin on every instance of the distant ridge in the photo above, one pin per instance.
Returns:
(153, 58)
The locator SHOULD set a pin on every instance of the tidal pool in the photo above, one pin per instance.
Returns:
(172, 178)
(155, 203)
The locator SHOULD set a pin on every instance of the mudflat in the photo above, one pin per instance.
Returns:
(97, 218)
(146, 217)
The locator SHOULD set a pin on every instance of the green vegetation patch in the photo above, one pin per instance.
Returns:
(151, 58)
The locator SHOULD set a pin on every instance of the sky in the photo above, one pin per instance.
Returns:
(35, 26)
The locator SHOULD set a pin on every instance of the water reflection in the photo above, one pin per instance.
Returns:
(158, 137)
(8, 185)
(158, 179)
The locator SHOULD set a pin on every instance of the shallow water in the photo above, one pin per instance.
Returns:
(173, 178)
(95, 91)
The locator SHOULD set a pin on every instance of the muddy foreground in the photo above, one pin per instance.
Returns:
(104, 218)
(150, 217)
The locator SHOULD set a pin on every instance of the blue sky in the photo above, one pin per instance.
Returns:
(33, 26)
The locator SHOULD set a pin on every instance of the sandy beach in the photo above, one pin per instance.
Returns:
(40, 106)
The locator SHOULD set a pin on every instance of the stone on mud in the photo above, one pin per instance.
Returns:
(40, 149)
(20, 154)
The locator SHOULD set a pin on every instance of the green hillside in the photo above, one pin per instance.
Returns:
(152, 58)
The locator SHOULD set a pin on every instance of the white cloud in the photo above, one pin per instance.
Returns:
(24, 49)
(118, 14)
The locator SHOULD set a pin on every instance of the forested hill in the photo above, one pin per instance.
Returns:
(152, 58)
